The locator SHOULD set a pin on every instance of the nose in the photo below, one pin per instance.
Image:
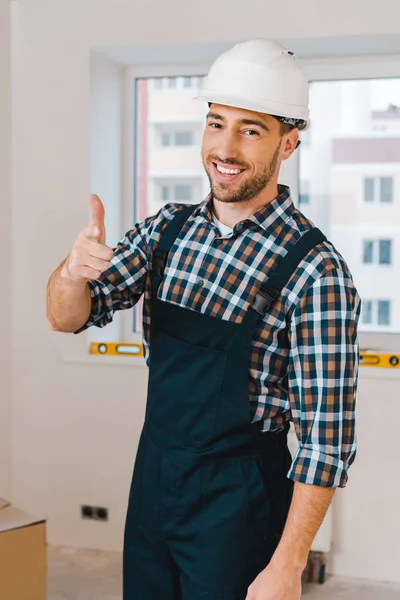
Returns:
(227, 148)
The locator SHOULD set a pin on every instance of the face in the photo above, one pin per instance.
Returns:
(242, 152)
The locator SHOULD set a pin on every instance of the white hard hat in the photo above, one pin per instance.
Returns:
(263, 76)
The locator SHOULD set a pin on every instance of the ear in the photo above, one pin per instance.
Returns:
(289, 143)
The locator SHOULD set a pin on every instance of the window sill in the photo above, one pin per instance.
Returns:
(136, 362)
(379, 373)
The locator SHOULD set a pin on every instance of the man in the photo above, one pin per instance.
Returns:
(250, 321)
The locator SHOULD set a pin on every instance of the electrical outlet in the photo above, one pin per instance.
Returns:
(101, 513)
(87, 511)
(96, 513)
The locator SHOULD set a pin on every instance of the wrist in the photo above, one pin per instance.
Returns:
(291, 560)
(67, 279)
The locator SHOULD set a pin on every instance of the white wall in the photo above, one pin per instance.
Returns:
(5, 244)
(76, 424)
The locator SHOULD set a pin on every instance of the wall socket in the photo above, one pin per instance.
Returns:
(96, 513)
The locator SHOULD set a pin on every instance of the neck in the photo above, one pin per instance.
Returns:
(230, 213)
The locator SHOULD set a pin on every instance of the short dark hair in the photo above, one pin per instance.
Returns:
(285, 128)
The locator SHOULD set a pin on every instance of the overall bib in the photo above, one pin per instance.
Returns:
(209, 495)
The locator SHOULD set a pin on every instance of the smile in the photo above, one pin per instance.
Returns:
(226, 174)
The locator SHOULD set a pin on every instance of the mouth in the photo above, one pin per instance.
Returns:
(226, 174)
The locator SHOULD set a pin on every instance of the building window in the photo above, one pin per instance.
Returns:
(166, 139)
(176, 84)
(368, 254)
(383, 312)
(177, 138)
(378, 189)
(369, 189)
(180, 192)
(183, 193)
(183, 138)
(386, 189)
(385, 252)
(367, 312)
(304, 195)
(377, 252)
(376, 312)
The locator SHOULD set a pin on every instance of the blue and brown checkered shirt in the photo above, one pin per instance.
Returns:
(305, 355)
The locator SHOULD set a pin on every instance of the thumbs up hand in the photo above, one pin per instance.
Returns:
(89, 256)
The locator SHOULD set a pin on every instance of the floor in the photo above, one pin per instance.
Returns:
(93, 575)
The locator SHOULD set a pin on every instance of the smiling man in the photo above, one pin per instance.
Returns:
(250, 322)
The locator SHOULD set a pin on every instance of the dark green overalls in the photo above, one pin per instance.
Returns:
(209, 495)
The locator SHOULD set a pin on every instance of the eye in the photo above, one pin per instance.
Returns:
(251, 132)
(214, 125)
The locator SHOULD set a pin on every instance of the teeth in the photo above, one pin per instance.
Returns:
(228, 171)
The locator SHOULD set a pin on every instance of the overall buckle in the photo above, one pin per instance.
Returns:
(265, 298)
(159, 260)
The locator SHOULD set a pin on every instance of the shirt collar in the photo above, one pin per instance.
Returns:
(269, 217)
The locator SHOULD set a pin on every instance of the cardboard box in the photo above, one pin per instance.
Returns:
(23, 555)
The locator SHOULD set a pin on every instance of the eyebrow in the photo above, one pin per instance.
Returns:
(240, 121)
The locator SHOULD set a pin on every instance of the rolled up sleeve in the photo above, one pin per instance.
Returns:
(322, 380)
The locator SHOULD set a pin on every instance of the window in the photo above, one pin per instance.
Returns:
(369, 192)
(386, 189)
(377, 252)
(182, 192)
(385, 252)
(353, 173)
(166, 139)
(366, 316)
(368, 252)
(177, 138)
(378, 189)
(183, 138)
(376, 312)
(162, 174)
(304, 195)
(383, 312)
(171, 84)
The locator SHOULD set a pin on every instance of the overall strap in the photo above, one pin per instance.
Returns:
(168, 237)
(271, 289)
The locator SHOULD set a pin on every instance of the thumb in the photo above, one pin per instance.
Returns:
(97, 217)
(97, 211)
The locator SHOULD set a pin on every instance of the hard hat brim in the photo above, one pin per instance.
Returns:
(269, 108)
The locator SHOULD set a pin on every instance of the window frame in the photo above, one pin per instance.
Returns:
(318, 69)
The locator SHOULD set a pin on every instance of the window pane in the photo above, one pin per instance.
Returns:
(353, 172)
(183, 193)
(386, 189)
(162, 174)
(385, 252)
(165, 139)
(183, 138)
(369, 189)
(165, 193)
(383, 312)
(368, 251)
(366, 312)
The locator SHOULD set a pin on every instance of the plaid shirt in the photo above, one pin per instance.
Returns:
(305, 354)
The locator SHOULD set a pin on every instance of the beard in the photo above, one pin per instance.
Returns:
(246, 191)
